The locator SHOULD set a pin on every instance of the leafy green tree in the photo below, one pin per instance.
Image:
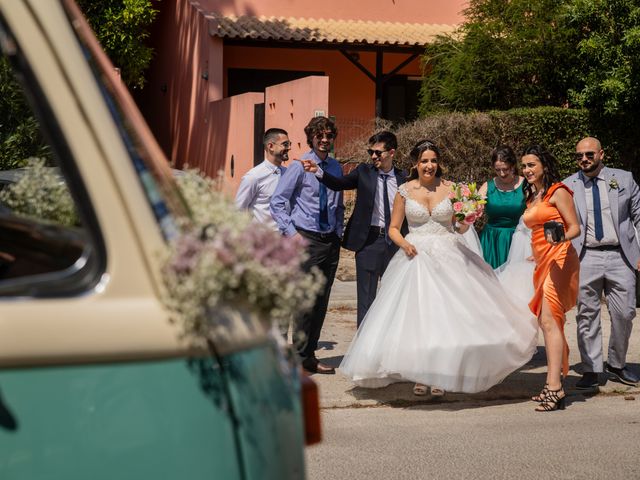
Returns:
(508, 53)
(606, 36)
(20, 136)
(122, 26)
(520, 53)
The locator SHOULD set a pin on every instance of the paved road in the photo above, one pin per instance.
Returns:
(596, 437)
(391, 434)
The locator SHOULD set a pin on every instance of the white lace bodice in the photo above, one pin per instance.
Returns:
(421, 221)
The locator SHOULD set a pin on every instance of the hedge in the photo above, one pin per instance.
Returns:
(467, 139)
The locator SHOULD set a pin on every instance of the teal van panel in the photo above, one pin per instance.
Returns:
(146, 420)
(265, 391)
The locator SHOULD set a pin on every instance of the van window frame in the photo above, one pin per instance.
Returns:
(87, 271)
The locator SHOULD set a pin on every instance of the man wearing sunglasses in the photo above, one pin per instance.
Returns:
(608, 204)
(302, 206)
(367, 230)
(259, 183)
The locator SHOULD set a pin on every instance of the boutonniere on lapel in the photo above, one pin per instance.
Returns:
(613, 184)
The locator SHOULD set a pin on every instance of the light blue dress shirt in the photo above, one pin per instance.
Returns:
(300, 190)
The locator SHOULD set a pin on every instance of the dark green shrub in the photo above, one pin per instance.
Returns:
(123, 28)
(20, 136)
(467, 139)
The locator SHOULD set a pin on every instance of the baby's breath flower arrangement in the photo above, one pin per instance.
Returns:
(232, 262)
(40, 193)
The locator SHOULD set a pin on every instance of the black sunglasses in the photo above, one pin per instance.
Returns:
(320, 136)
(590, 155)
(379, 153)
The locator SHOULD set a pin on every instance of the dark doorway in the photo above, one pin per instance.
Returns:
(400, 98)
(258, 133)
(243, 80)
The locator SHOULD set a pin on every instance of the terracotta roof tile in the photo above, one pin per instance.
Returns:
(325, 31)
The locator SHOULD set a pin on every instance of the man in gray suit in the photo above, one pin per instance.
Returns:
(608, 204)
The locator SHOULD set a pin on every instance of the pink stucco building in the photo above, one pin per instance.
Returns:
(211, 87)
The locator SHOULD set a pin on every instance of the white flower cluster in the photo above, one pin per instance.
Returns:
(41, 193)
(230, 260)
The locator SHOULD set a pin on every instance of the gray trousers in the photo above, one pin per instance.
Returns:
(605, 271)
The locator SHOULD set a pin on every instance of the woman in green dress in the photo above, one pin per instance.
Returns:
(505, 204)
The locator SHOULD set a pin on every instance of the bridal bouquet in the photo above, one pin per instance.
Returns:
(468, 204)
(230, 263)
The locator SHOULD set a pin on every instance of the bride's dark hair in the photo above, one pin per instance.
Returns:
(416, 153)
(550, 171)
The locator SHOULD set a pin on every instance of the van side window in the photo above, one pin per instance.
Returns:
(45, 249)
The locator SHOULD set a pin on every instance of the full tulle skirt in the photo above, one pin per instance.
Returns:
(516, 274)
(442, 319)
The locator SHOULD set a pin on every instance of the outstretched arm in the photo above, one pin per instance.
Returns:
(346, 182)
(337, 184)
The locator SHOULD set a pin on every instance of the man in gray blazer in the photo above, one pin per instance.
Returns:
(608, 204)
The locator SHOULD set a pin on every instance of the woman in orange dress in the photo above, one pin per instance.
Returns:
(557, 266)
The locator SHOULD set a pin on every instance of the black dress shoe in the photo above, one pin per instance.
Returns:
(623, 375)
(313, 365)
(588, 381)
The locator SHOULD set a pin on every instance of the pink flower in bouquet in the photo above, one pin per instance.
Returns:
(225, 254)
(187, 249)
(467, 203)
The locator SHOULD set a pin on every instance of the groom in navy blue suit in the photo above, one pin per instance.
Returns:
(367, 231)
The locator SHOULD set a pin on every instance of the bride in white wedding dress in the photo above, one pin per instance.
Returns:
(441, 317)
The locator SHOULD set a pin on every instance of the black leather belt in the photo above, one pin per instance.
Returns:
(317, 235)
(604, 247)
(375, 230)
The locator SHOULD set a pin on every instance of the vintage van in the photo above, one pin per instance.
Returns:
(95, 382)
